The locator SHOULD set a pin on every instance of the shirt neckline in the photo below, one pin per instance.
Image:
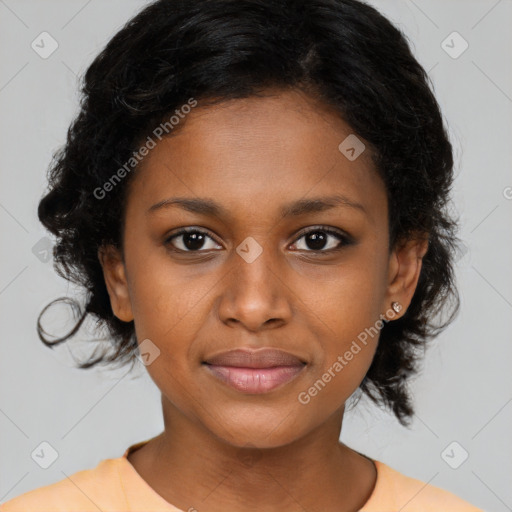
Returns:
(141, 496)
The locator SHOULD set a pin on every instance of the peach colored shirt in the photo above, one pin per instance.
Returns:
(115, 485)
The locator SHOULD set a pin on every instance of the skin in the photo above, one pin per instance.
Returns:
(222, 449)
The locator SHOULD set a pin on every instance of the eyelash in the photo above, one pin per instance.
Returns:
(343, 238)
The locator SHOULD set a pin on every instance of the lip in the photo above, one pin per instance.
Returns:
(251, 358)
(255, 371)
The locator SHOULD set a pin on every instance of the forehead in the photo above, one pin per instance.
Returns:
(258, 152)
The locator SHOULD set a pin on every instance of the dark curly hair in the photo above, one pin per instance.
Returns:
(342, 52)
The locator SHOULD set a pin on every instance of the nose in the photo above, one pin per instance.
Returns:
(255, 294)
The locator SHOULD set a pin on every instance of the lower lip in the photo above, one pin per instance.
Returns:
(255, 380)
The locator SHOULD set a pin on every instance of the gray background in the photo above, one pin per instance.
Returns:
(464, 391)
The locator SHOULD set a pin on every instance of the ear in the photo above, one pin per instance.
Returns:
(403, 273)
(115, 279)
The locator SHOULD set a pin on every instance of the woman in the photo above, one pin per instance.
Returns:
(253, 195)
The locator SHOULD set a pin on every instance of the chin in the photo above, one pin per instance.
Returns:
(250, 429)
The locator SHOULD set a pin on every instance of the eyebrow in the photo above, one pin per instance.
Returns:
(206, 206)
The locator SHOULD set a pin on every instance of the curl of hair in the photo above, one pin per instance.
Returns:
(344, 53)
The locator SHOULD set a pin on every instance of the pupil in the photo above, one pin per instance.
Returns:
(193, 241)
(317, 240)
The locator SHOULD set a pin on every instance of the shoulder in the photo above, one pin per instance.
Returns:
(87, 490)
(396, 491)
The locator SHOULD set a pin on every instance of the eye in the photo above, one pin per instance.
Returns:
(317, 239)
(191, 240)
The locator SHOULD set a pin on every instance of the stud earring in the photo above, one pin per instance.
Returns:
(397, 307)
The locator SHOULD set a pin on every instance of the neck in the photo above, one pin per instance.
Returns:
(193, 469)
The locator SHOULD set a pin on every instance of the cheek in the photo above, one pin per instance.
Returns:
(348, 338)
(165, 296)
(165, 308)
(347, 315)
(347, 302)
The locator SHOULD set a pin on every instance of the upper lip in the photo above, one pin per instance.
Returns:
(250, 358)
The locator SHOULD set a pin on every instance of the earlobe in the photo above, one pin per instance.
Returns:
(115, 280)
(404, 272)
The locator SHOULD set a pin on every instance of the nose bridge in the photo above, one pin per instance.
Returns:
(254, 294)
(256, 262)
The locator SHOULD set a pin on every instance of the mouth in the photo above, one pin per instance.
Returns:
(255, 372)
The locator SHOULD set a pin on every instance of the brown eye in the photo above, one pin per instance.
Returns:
(322, 239)
(191, 240)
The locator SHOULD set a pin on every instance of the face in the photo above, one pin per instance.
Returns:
(288, 251)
